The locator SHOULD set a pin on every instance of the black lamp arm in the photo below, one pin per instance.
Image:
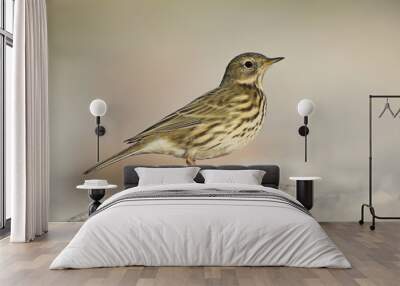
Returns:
(304, 131)
(99, 131)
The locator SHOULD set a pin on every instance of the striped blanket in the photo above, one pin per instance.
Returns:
(205, 194)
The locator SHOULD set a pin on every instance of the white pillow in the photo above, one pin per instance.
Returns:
(165, 176)
(248, 177)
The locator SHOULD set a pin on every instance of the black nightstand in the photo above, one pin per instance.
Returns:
(96, 190)
(305, 190)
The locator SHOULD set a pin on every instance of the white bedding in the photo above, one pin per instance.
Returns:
(200, 231)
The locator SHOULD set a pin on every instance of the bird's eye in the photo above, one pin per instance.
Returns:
(248, 64)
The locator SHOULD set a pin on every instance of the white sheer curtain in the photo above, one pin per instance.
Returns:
(27, 135)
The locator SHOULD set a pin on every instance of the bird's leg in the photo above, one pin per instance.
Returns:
(190, 161)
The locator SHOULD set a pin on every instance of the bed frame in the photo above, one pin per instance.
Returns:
(270, 179)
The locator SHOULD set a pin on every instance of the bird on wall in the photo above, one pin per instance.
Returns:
(214, 124)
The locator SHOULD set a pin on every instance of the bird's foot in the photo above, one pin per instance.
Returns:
(190, 162)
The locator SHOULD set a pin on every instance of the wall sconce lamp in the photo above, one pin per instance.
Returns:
(98, 108)
(305, 107)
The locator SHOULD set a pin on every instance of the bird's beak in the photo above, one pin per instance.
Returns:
(274, 60)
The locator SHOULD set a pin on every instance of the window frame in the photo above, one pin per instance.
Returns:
(6, 39)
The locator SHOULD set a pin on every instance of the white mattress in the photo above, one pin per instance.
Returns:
(200, 231)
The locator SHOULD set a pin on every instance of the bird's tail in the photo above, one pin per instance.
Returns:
(131, 150)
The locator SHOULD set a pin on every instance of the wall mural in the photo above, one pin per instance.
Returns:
(214, 124)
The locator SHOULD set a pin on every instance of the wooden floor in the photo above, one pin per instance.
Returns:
(375, 257)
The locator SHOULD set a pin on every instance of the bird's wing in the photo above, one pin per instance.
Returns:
(208, 107)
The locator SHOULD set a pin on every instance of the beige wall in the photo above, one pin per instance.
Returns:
(147, 58)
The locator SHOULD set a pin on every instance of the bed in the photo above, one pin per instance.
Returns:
(198, 224)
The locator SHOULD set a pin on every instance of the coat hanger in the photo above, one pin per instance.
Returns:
(397, 113)
(387, 107)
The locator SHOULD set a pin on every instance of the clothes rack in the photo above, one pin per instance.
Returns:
(370, 202)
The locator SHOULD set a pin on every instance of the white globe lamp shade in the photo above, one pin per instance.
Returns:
(98, 107)
(305, 107)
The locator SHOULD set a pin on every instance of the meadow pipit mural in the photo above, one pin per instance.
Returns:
(214, 124)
